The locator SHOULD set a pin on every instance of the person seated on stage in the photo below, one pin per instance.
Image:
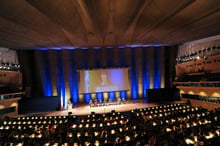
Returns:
(100, 102)
(109, 101)
(91, 102)
(104, 102)
(119, 100)
(96, 102)
(123, 100)
(70, 104)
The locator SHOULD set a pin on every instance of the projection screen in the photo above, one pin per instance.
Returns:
(103, 80)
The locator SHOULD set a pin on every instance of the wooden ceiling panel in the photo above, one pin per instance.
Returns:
(99, 23)
(21, 13)
(12, 31)
(157, 13)
(64, 14)
(198, 29)
(125, 13)
(196, 11)
(99, 12)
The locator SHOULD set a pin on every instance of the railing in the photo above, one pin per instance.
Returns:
(202, 98)
(11, 95)
(198, 84)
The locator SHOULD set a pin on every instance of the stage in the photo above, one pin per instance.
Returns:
(85, 109)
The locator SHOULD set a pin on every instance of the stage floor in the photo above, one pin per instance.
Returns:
(85, 109)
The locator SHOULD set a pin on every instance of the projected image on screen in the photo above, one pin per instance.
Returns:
(103, 80)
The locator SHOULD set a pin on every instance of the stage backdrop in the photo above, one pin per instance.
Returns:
(54, 72)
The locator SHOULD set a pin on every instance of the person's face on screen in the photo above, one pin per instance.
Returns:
(104, 77)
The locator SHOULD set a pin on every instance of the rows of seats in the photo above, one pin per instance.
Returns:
(7, 89)
(202, 98)
(172, 124)
(198, 78)
(207, 52)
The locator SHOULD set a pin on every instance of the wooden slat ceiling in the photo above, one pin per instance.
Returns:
(29, 24)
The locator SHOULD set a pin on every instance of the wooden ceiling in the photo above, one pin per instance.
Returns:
(28, 24)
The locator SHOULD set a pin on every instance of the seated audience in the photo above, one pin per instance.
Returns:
(172, 124)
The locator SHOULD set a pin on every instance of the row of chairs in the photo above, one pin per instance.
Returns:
(127, 128)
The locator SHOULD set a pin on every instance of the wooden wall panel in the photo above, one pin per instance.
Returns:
(104, 61)
(91, 58)
(139, 56)
(10, 78)
(162, 67)
(203, 91)
(39, 83)
(116, 57)
(52, 62)
(170, 61)
(128, 63)
(150, 61)
(66, 61)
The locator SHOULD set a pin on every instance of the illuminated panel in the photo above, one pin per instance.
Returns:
(74, 78)
(133, 72)
(60, 80)
(139, 55)
(157, 78)
(45, 72)
(151, 66)
(145, 71)
(162, 67)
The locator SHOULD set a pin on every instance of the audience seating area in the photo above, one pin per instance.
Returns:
(9, 67)
(8, 89)
(207, 52)
(199, 80)
(172, 124)
(199, 77)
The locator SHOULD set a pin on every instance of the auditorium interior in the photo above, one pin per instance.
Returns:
(109, 72)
